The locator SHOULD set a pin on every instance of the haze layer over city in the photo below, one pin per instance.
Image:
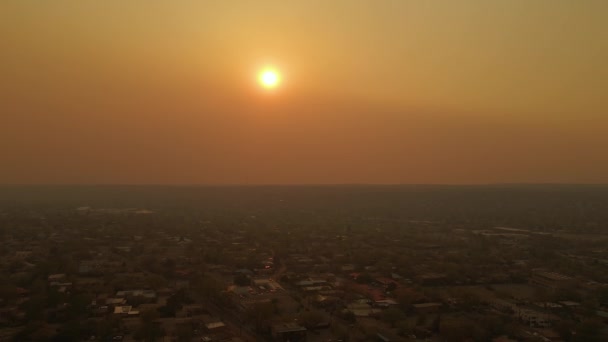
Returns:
(303, 170)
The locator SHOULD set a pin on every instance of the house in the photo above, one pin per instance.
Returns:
(147, 294)
(550, 335)
(570, 305)
(347, 268)
(181, 284)
(361, 308)
(115, 301)
(312, 283)
(387, 282)
(22, 255)
(244, 271)
(56, 277)
(101, 310)
(88, 268)
(396, 276)
(550, 280)
(215, 327)
(382, 338)
(193, 310)
(603, 315)
(125, 310)
(21, 292)
(8, 334)
(289, 332)
(503, 305)
(325, 301)
(432, 279)
(385, 303)
(535, 318)
(427, 307)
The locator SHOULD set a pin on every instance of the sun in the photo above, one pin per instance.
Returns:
(269, 78)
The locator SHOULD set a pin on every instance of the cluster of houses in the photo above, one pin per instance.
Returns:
(126, 276)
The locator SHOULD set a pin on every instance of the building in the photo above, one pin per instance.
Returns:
(535, 319)
(215, 327)
(125, 310)
(432, 279)
(550, 280)
(424, 308)
(289, 332)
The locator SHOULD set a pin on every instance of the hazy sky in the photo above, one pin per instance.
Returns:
(467, 91)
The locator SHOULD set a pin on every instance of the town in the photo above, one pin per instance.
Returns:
(303, 264)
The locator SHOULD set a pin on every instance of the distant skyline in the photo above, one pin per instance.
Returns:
(372, 92)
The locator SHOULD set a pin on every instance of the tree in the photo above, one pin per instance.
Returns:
(15, 266)
(242, 280)
(348, 316)
(408, 296)
(602, 295)
(436, 324)
(169, 268)
(34, 308)
(275, 305)
(70, 331)
(404, 328)
(149, 316)
(208, 288)
(8, 293)
(260, 314)
(156, 281)
(364, 278)
(393, 315)
(174, 304)
(107, 326)
(421, 320)
(588, 331)
(184, 332)
(311, 319)
(148, 329)
(34, 331)
(78, 305)
(456, 329)
(564, 329)
(340, 332)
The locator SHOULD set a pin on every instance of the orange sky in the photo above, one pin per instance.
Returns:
(385, 91)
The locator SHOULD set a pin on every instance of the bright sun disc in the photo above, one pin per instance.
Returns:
(269, 78)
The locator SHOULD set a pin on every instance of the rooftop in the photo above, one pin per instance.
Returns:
(287, 327)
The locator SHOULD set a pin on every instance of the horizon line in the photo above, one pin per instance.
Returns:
(298, 184)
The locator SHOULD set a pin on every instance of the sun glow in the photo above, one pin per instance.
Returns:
(269, 78)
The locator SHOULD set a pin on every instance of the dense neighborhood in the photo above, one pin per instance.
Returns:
(142, 274)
